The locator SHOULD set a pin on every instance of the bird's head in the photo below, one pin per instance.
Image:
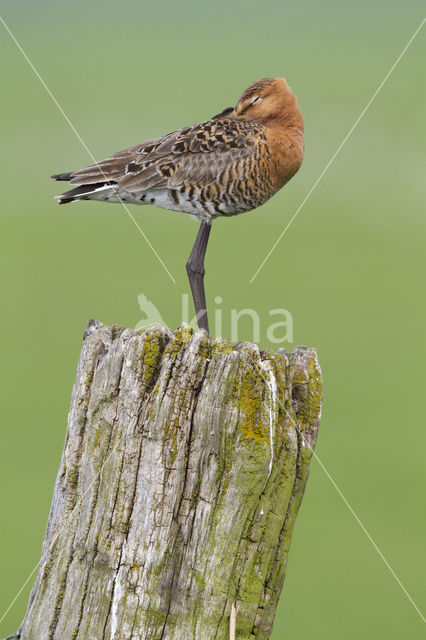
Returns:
(267, 99)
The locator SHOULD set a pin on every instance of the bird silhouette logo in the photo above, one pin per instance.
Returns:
(153, 316)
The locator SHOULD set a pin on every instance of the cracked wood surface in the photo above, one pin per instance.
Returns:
(184, 465)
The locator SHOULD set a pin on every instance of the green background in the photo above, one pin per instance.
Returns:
(350, 269)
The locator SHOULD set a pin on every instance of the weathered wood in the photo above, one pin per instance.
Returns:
(184, 466)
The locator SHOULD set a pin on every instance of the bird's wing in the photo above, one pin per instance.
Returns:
(194, 155)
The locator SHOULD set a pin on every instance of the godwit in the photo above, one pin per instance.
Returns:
(229, 164)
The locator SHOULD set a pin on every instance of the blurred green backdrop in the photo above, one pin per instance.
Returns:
(350, 269)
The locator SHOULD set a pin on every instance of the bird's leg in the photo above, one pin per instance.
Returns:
(195, 271)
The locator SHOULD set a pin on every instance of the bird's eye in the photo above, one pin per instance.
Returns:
(256, 99)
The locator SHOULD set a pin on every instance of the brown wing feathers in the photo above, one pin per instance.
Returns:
(195, 154)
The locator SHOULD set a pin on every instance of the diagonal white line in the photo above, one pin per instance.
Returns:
(293, 418)
(333, 157)
(84, 144)
(364, 529)
(18, 594)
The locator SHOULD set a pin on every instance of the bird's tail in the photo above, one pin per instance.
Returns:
(82, 192)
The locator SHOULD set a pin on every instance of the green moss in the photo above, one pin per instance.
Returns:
(96, 543)
(199, 579)
(159, 568)
(229, 451)
(181, 336)
(81, 419)
(88, 381)
(225, 464)
(48, 566)
(204, 350)
(151, 357)
(305, 455)
(223, 346)
(71, 484)
(155, 619)
(308, 384)
(116, 331)
(97, 436)
(170, 441)
(72, 477)
(248, 394)
(59, 599)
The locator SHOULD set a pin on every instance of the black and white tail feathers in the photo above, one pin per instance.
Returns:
(82, 192)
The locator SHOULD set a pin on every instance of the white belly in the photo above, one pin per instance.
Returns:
(172, 200)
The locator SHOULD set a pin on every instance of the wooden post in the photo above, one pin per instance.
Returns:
(184, 466)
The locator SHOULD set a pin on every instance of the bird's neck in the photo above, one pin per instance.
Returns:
(288, 125)
(290, 116)
(285, 134)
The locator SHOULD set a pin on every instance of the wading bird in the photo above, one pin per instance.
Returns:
(227, 165)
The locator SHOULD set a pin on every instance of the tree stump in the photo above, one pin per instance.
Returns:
(183, 469)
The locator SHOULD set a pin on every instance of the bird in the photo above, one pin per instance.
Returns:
(229, 164)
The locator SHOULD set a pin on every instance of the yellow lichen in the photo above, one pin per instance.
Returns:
(151, 354)
(222, 346)
(249, 397)
(181, 336)
(309, 385)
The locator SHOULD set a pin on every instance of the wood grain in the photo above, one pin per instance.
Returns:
(184, 466)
